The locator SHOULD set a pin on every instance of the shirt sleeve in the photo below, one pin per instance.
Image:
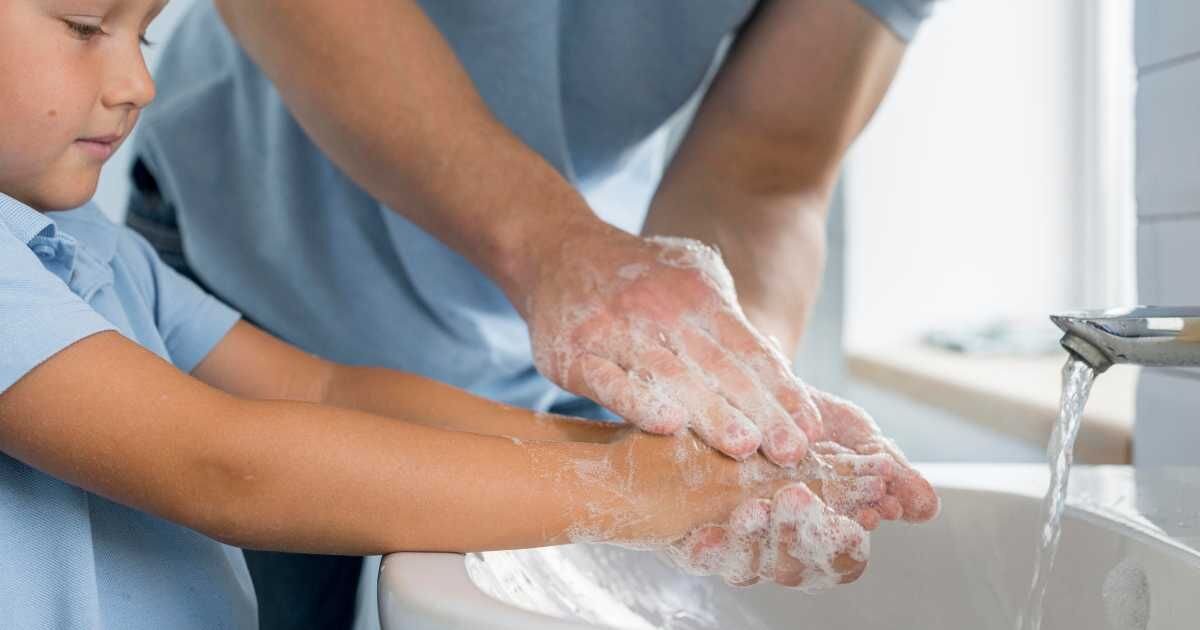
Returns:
(901, 16)
(190, 321)
(39, 315)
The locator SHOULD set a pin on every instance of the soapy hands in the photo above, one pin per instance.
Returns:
(862, 476)
(778, 524)
(849, 431)
(651, 329)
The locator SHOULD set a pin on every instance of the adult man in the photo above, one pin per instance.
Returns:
(404, 184)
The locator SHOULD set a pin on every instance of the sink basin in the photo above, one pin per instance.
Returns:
(970, 568)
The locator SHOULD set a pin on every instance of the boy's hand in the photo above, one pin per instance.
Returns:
(774, 523)
(793, 539)
(651, 329)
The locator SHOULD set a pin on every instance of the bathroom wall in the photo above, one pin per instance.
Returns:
(1167, 49)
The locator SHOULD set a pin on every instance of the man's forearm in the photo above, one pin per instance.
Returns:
(774, 248)
(379, 90)
(755, 173)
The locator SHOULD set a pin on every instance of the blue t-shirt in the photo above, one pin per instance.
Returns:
(69, 558)
(271, 226)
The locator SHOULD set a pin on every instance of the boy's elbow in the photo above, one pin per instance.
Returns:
(225, 483)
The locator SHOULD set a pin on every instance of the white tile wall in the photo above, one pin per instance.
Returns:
(1167, 46)
(1169, 260)
(1168, 139)
(1166, 30)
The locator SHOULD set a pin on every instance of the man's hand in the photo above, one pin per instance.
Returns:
(851, 427)
(651, 329)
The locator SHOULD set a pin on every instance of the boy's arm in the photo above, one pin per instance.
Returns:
(250, 363)
(112, 418)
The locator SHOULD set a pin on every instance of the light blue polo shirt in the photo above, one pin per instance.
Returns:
(270, 225)
(70, 559)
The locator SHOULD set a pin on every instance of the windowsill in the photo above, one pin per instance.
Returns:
(1017, 396)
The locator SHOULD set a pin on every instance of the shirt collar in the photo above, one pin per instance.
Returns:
(24, 222)
(91, 226)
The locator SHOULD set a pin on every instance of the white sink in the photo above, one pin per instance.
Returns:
(970, 568)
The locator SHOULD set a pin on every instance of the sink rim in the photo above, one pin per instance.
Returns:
(418, 583)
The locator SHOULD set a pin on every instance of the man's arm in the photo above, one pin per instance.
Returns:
(756, 170)
(380, 91)
(649, 329)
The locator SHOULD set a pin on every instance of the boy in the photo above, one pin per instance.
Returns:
(141, 422)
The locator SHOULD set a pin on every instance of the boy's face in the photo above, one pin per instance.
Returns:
(72, 82)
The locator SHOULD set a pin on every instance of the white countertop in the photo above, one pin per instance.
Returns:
(1017, 396)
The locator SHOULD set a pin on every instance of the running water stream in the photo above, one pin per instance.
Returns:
(1077, 378)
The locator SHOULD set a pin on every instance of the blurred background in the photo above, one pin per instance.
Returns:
(994, 186)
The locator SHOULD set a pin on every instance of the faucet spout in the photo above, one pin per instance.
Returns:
(1150, 336)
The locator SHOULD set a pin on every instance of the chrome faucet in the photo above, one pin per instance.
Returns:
(1144, 335)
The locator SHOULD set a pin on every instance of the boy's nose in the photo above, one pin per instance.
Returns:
(130, 83)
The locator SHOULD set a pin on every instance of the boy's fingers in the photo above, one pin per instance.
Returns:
(878, 464)
(702, 552)
(748, 524)
(868, 518)
(846, 495)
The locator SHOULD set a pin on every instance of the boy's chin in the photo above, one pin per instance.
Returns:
(66, 194)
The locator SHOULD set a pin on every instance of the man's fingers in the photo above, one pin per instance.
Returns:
(714, 420)
(889, 508)
(637, 401)
(770, 367)
(916, 496)
(783, 442)
(846, 423)
(851, 426)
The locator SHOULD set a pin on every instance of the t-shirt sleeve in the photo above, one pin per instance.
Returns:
(190, 320)
(901, 16)
(39, 315)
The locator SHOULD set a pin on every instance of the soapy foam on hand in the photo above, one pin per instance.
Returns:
(658, 400)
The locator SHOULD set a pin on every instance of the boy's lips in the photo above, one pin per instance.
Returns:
(101, 147)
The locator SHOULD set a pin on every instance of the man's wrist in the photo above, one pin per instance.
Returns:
(521, 257)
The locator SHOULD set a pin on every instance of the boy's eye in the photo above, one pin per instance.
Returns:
(82, 30)
(144, 41)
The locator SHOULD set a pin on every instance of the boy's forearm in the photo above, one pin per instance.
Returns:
(304, 477)
(424, 401)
